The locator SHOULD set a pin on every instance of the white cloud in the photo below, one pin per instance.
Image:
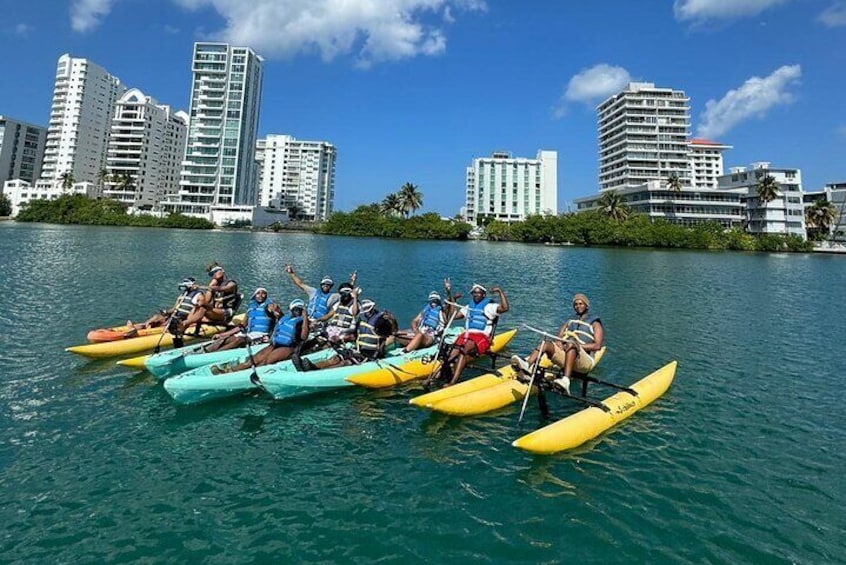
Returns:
(704, 10)
(373, 30)
(753, 99)
(87, 14)
(22, 29)
(592, 85)
(834, 15)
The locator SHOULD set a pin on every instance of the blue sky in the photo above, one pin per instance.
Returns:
(413, 90)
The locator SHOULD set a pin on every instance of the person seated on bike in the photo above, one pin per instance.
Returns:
(262, 314)
(430, 323)
(291, 330)
(374, 334)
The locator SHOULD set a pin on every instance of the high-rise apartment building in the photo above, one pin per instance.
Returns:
(145, 151)
(84, 97)
(298, 176)
(509, 189)
(219, 165)
(21, 150)
(643, 136)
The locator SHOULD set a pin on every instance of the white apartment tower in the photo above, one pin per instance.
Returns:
(509, 189)
(219, 165)
(643, 136)
(145, 151)
(21, 150)
(298, 176)
(706, 162)
(84, 96)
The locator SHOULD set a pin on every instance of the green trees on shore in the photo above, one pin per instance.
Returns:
(603, 228)
(79, 209)
(5, 205)
(376, 221)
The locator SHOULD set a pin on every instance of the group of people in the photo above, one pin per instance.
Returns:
(339, 317)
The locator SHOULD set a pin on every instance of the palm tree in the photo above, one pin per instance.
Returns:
(410, 198)
(67, 180)
(391, 205)
(125, 182)
(820, 215)
(293, 211)
(612, 205)
(674, 184)
(767, 189)
(102, 177)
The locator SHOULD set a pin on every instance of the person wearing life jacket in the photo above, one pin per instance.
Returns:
(580, 338)
(290, 331)
(261, 317)
(320, 300)
(189, 293)
(374, 334)
(430, 323)
(341, 325)
(219, 302)
(480, 316)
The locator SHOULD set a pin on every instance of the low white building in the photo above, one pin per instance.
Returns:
(20, 192)
(688, 207)
(297, 175)
(785, 215)
(509, 189)
(835, 193)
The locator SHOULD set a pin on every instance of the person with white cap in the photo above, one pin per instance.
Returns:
(374, 333)
(430, 322)
(291, 330)
(480, 316)
(189, 297)
(261, 317)
(220, 301)
(320, 300)
(580, 338)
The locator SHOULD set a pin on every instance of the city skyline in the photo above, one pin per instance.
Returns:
(411, 95)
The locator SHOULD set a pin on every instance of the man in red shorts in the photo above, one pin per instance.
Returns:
(480, 316)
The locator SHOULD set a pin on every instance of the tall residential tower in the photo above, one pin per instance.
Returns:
(21, 150)
(146, 147)
(508, 189)
(84, 98)
(643, 136)
(219, 165)
(298, 176)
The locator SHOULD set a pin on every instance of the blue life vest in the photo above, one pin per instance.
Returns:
(476, 318)
(318, 304)
(432, 318)
(287, 332)
(581, 329)
(368, 341)
(186, 304)
(258, 318)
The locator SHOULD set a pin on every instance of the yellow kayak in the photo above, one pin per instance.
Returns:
(490, 392)
(136, 345)
(416, 369)
(586, 424)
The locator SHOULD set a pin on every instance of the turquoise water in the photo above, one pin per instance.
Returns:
(741, 461)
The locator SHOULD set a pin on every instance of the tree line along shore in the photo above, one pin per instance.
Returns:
(593, 228)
